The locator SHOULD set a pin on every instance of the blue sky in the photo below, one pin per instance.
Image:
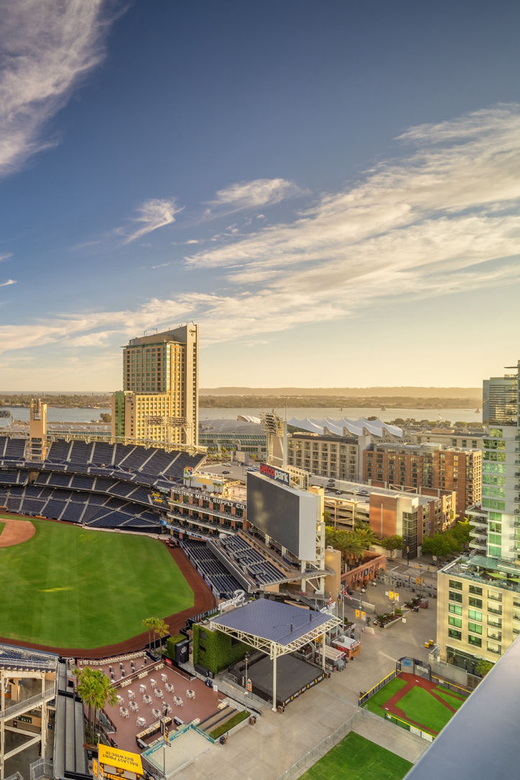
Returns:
(330, 189)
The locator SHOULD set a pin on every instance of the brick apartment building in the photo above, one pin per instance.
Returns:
(426, 468)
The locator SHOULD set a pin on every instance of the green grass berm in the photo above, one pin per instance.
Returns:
(356, 758)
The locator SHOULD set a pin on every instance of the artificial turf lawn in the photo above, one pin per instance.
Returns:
(450, 698)
(77, 588)
(423, 708)
(356, 758)
(376, 702)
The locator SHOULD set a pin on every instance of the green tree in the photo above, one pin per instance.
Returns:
(149, 623)
(96, 690)
(392, 543)
(161, 628)
(105, 417)
(483, 667)
(347, 542)
(437, 545)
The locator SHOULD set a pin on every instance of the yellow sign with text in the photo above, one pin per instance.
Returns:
(120, 759)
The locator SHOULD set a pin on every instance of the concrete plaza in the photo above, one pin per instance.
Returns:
(277, 741)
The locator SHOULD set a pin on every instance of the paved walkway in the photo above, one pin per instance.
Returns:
(275, 742)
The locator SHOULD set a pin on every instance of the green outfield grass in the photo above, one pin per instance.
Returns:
(420, 706)
(376, 702)
(450, 698)
(70, 587)
(356, 758)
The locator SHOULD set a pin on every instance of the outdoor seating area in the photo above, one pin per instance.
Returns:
(138, 707)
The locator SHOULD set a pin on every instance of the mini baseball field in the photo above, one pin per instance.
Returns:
(67, 587)
(416, 701)
(356, 758)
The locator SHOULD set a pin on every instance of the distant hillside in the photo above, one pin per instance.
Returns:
(473, 394)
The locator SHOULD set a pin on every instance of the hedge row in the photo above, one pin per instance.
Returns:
(215, 650)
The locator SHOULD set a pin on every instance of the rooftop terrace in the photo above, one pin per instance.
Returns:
(488, 571)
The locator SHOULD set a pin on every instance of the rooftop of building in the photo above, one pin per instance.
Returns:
(424, 447)
(178, 334)
(344, 426)
(360, 491)
(324, 437)
(493, 572)
(230, 426)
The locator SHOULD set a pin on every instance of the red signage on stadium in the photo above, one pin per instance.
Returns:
(273, 473)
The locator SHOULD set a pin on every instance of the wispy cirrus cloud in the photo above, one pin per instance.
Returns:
(151, 215)
(444, 217)
(5, 256)
(8, 283)
(441, 220)
(47, 49)
(252, 194)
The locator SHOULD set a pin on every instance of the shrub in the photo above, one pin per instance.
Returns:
(215, 650)
(170, 645)
(234, 721)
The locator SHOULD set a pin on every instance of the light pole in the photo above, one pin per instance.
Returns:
(246, 659)
(381, 521)
(166, 736)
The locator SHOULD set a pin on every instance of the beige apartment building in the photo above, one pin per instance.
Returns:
(478, 613)
(336, 457)
(159, 402)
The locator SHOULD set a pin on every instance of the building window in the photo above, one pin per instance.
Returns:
(475, 640)
(473, 602)
(475, 628)
(455, 609)
(475, 590)
(455, 584)
(493, 647)
(455, 596)
(473, 614)
(454, 634)
(453, 621)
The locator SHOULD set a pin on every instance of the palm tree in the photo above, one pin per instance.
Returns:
(96, 690)
(161, 627)
(149, 624)
(85, 687)
(367, 537)
(351, 546)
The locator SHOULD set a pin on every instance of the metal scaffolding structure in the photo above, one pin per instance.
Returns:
(281, 638)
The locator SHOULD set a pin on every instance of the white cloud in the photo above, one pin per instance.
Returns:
(152, 214)
(192, 241)
(444, 219)
(5, 257)
(8, 283)
(47, 48)
(252, 194)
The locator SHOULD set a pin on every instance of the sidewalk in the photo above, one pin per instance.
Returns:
(277, 741)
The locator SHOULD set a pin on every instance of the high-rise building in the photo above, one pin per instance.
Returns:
(159, 402)
(478, 607)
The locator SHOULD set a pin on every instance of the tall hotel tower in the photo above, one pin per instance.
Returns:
(478, 604)
(159, 402)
